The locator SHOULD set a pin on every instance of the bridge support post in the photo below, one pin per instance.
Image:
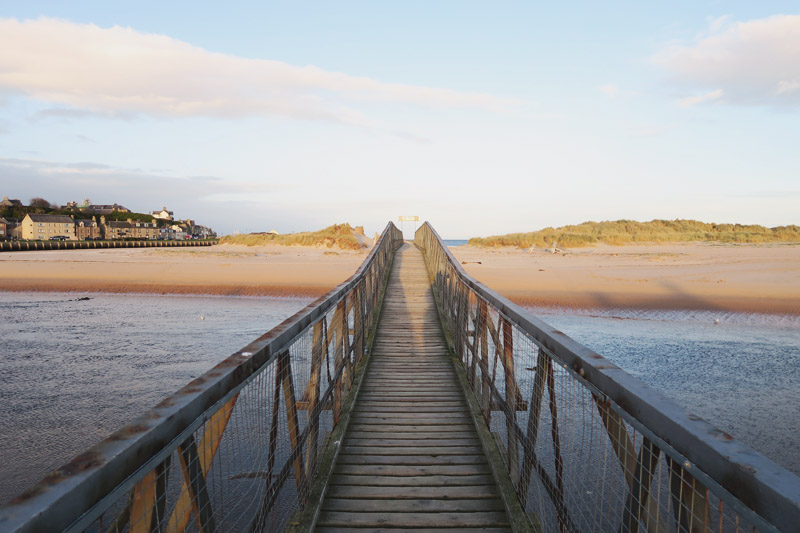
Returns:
(512, 394)
(311, 395)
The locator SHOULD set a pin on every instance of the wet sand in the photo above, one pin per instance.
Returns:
(219, 270)
(762, 278)
(748, 278)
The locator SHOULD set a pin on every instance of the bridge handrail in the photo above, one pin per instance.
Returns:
(195, 434)
(703, 465)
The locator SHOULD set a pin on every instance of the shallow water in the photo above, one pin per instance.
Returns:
(741, 372)
(71, 372)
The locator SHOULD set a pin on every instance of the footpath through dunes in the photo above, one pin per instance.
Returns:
(411, 457)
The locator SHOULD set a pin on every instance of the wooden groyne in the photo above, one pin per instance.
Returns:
(23, 246)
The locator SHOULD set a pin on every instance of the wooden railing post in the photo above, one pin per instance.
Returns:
(543, 364)
(338, 317)
(289, 400)
(512, 393)
(312, 395)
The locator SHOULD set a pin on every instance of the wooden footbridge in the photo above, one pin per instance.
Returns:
(411, 457)
(413, 398)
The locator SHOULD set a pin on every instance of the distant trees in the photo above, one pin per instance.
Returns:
(40, 205)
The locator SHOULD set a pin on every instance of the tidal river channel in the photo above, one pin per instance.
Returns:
(74, 370)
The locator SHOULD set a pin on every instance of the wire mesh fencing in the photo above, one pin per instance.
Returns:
(587, 446)
(237, 449)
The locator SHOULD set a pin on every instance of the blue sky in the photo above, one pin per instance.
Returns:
(483, 118)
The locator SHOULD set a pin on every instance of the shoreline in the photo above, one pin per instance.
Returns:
(272, 291)
(552, 300)
(687, 276)
(762, 279)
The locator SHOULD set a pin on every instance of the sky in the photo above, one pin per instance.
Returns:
(480, 117)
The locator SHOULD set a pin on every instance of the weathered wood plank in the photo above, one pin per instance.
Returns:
(397, 429)
(375, 436)
(405, 449)
(413, 520)
(411, 460)
(361, 442)
(404, 416)
(384, 403)
(410, 470)
(413, 481)
(334, 529)
(467, 492)
(413, 505)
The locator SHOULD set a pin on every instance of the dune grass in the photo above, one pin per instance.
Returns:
(621, 232)
(339, 235)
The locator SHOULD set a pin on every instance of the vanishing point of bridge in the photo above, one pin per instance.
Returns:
(412, 397)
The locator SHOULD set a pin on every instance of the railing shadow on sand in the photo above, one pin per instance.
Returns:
(587, 446)
(238, 448)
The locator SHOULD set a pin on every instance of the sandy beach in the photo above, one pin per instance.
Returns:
(220, 270)
(750, 278)
(763, 278)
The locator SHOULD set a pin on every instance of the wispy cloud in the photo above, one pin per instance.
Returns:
(610, 90)
(119, 70)
(752, 63)
(67, 114)
(68, 180)
(689, 101)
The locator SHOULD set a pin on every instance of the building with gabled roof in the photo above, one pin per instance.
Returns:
(10, 203)
(164, 214)
(130, 229)
(105, 209)
(87, 229)
(44, 227)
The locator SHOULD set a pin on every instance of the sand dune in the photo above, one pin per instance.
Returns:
(754, 278)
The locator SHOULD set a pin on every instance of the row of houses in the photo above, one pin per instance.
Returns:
(105, 209)
(63, 227)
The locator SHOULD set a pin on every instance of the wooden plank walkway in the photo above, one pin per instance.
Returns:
(411, 457)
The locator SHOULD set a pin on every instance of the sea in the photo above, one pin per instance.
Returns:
(76, 366)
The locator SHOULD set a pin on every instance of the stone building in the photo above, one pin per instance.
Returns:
(164, 214)
(43, 227)
(10, 203)
(105, 209)
(86, 229)
(130, 229)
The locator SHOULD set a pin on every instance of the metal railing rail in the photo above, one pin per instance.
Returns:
(588, 446)
(237, 448)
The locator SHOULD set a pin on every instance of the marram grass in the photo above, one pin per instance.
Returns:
(339, 235)
(630, 231)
